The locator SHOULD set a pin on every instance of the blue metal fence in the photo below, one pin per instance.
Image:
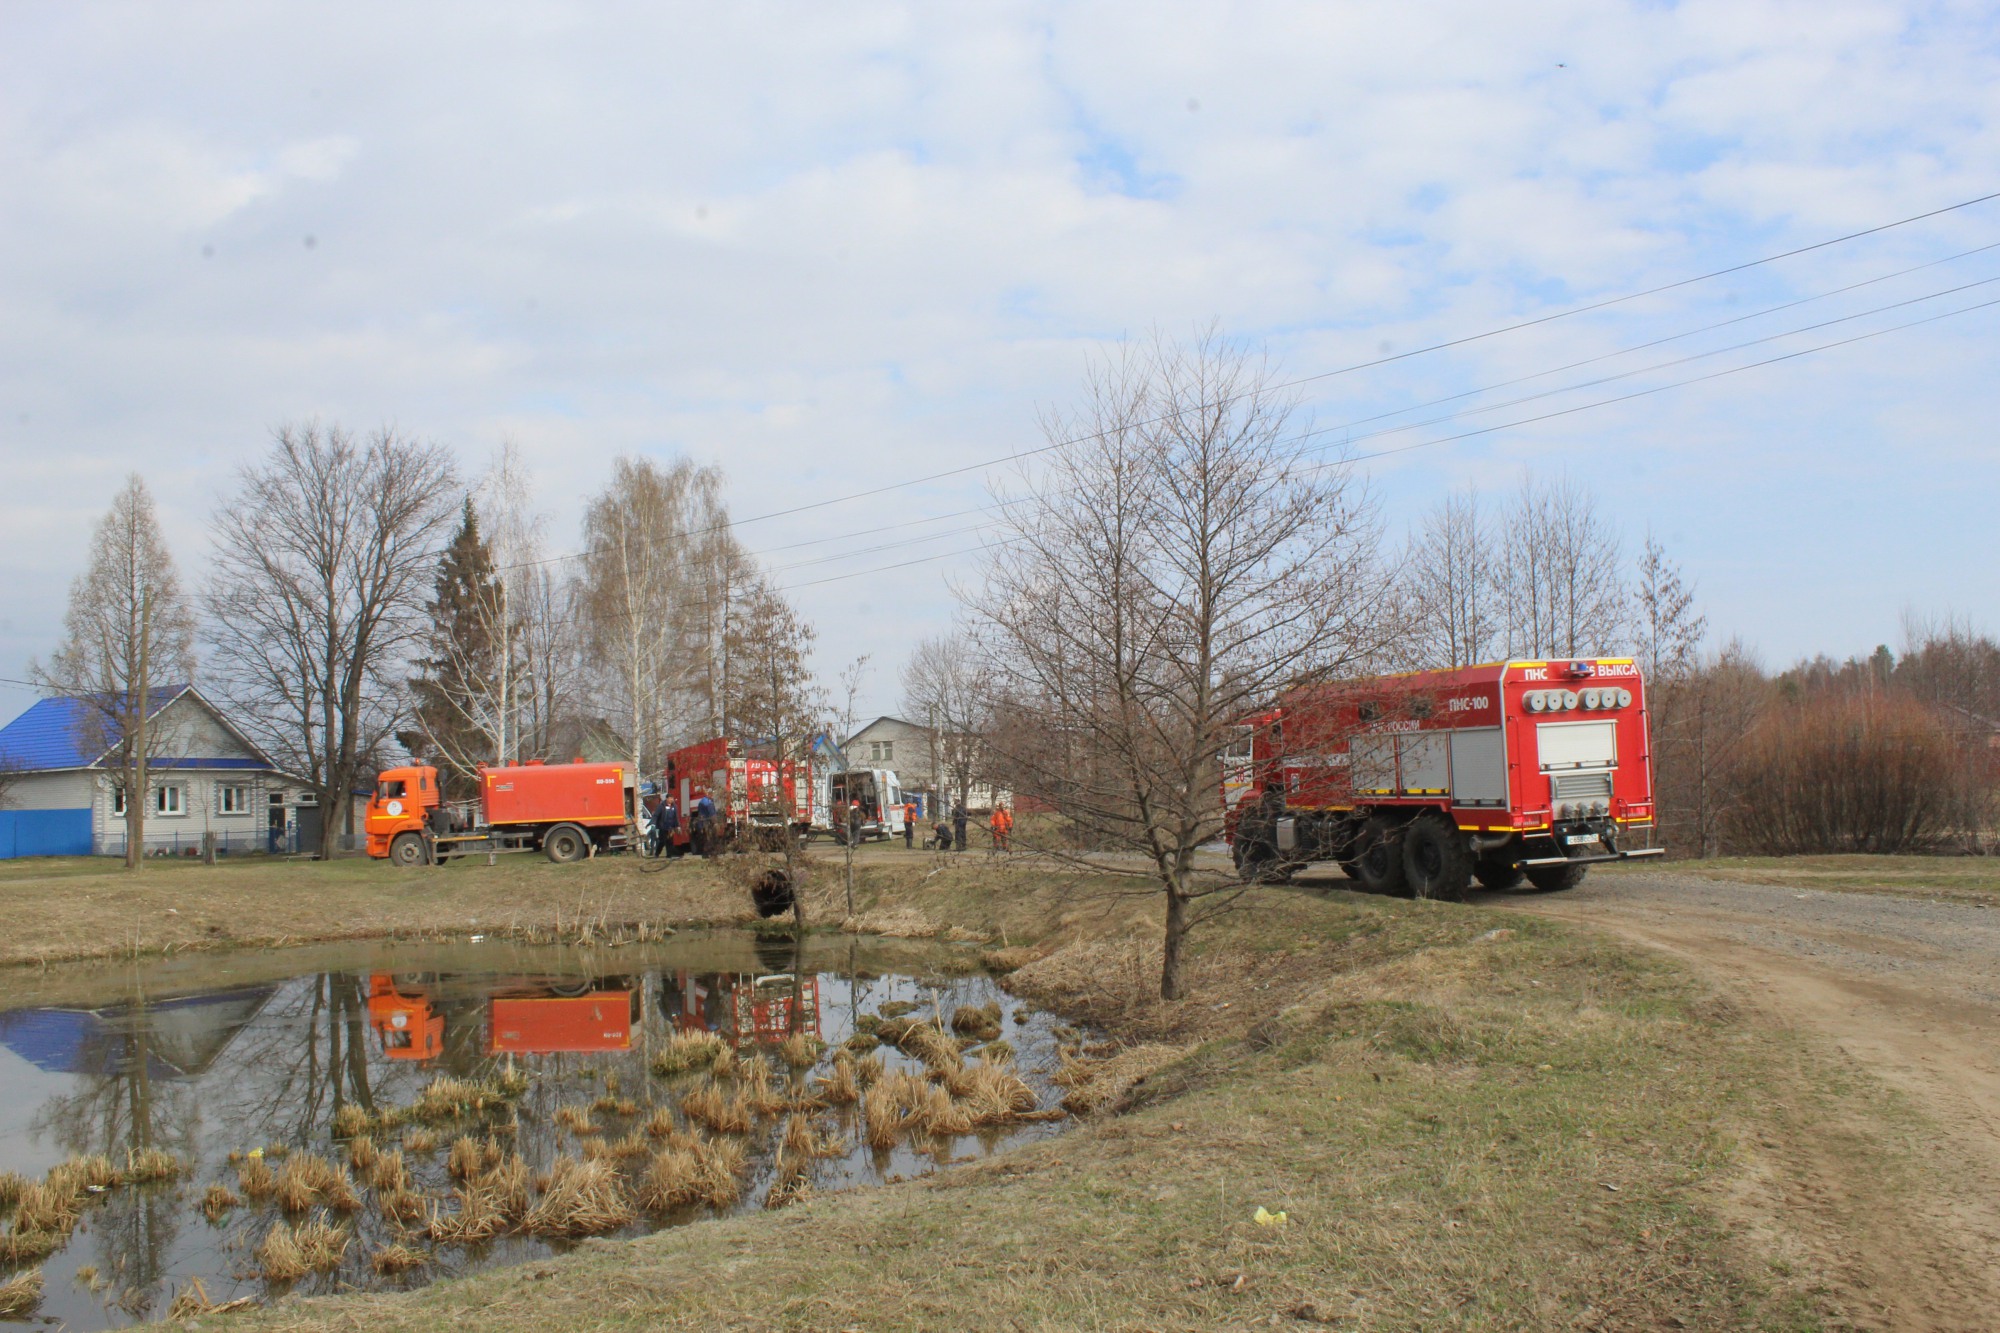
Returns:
(44, 833)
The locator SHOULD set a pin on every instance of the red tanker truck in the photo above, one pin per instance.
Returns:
(565, 811)
(1419, 783)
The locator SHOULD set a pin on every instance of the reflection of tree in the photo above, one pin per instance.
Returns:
(304, 1060)
(122, 1104)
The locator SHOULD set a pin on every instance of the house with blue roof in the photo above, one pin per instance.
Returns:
(206, 777)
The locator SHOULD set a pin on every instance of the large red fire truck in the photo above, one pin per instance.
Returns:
(566, 811)
(1419, 783)
(752, 790)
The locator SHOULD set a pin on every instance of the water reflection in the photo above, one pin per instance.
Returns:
(271, 1066)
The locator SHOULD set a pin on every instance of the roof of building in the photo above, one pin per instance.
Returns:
(886, 717)
(54, 734)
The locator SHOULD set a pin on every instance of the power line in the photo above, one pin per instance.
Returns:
(1446, 345)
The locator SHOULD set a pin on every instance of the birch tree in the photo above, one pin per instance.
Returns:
(127, 635)
(324, 552)
(1558, 574)
(1447, 567)
(948, 690)
(1178, 559)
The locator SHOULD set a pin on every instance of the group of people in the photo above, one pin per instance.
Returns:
(668, 834)
(699, 831)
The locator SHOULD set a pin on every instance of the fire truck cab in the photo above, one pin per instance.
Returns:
(1420, 783)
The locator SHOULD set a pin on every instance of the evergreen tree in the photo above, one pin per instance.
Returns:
(465, 697)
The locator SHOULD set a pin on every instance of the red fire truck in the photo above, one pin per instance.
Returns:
(752, 790)
(566, 811)
(1419, 783)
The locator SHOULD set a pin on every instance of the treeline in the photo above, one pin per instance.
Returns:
(339, 634)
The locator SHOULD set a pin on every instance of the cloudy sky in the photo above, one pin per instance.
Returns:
(829, 247)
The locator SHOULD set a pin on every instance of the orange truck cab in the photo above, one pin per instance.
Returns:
(402, 800)
(409, 1026)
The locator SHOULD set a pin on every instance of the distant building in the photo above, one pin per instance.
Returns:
(206, 776)
(905, 748)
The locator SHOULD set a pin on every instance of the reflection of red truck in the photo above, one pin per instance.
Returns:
(564, 810)
(1418, 783)
(523, 1016)
(751, 789)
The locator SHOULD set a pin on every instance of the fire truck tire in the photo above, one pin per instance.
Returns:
(565, 843)
(1554, 879)
(407, 850)
(1437, 863)
(1497, 874)
(1378, 857)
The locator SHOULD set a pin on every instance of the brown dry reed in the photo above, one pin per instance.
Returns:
(288, 1253)
(800, 1051)
(217, 1202)
(349, 1120)
(51, 1208)
(583, 1199)
(29, 1247)
(193, 1300)
(687, 1051)
(11, 1185)
(387, 1174)
(398, 1258)
(362, 1153)
(420, 1141)
(21, 1294)
(447, 1098)
(404, 1207)
(153, 1164)
(575, 1119)
(980, 1022)
(838, 1086)
(693, 1171)
(257, 1178)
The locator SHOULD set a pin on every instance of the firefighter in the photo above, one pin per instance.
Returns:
(1003, 828)
(909, 825)
(854, 823)
(704, 825)
(958, 818)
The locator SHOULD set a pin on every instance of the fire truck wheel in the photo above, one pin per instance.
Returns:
(1378, 859)
(1497, 874)
(1554, 879)
(1437, 863)
(407, 850)
(565, 843)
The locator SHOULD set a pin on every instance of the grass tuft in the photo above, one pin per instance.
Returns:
(11, 1185)
(420, 1142)
(686, 1052)
(979, 1022)
(256, 1178)
(575, 1119)
(218, 1200)
(583, 1199)
(21, 1295)
(349, 1120)
(800, 1051)
(149, 1164)
(288, 1253)
(398, 1258)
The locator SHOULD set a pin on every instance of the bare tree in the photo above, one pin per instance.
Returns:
(325, 551)
(1669, 628)
(1179, 559)
(780, 705)
(949, 691)
(655, 624)
(1449, 582)
(127, 635)
(10, 773)
(851, 677)
(536, 611)
(1558, 574)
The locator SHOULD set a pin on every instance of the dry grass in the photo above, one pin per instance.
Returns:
(709, 1107)
(793, 1185)
(11, 1185)
(470, 1156)
(49, 1208)
(420, 1142)
(288, 1253)
(29, 1247)
(838, 1086)
(218, 1201)
(582, 1199)
(349, 1120)
(726, 1064)
(150, 1164)
(800, 1051)
(868, 1070)
(1098, 1086)
(256, 1178)
(94, 1172)
(447, 1098)
(686, 1052)
(21, 1295)
(404, 1207)
(634, 1144)
(478, 1216)
(693, 1171)
(512, 1082)
(398, 1258)
(660, 1124)
(193, 1301)
(980, 1022)
(575, 1119)
(926, 1041)
(362, 1153)
(387, 1174)
(308, 1178)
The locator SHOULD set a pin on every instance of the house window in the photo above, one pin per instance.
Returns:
(166, 800)
(882, 752)
(231, 798)
(117, 800)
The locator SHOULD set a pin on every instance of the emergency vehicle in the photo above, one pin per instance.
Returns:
(753, 791)
(566, 811)
(1421, 783)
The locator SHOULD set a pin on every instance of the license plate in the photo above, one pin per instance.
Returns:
(1580, 839)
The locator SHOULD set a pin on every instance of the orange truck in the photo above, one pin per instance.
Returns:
(523, 1016)
(565, 811)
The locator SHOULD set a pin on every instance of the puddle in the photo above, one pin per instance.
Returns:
(558, 1055)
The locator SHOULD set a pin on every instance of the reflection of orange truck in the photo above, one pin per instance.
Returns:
(527, 1017)
(567, 811)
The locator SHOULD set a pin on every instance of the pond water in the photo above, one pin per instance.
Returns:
(548, 1061)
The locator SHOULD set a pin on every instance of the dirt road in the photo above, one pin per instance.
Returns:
(1907, 990)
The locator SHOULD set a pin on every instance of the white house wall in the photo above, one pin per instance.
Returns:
(49, 791)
